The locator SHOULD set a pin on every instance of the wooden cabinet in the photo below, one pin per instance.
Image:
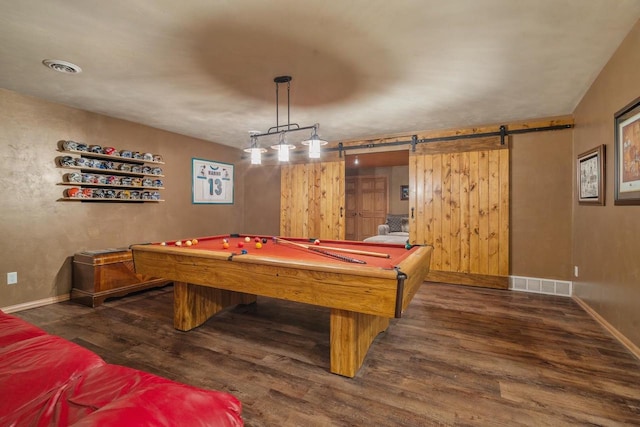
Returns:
(98, 275)
(366, 199)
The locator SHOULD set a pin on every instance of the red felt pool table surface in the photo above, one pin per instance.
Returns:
(275, 247)
(362, 297)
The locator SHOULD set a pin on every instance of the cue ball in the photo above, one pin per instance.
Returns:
(240, 244)
(316, 242)
(163, 244)
(247, 239)
(258, 245)
(225, 245)
(178, 243)
(187, 242)
(264, 240)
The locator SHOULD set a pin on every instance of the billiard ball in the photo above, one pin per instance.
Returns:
(316, 242)
(258, 245)
(225, 245)
(264, 240)
(163, 244)
(247, 239)
(194, 241)
(225, 240)
(187, 242)
(257, 239)
(240, 244)
(407, 246)
(244, 252)
(178, 243)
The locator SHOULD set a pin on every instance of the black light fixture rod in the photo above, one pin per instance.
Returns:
(276, 129)
(277, 81)
(288, 105)
(277, 104)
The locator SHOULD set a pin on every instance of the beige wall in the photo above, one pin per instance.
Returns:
(399, 176)
(541, 201)
(41, 234)
(606, 239)
(262, 200)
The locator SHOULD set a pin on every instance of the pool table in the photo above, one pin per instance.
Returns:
(363, 291)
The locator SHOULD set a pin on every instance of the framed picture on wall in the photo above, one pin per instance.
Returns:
(627, 154)
(212, 182)
(404, 192)
(591, 176)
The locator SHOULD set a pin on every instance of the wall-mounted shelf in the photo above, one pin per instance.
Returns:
(111, 171)
(93, 184)
(111, 157)
(109, 178)
(92, 199)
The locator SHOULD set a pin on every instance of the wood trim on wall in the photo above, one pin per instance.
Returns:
(480, 280)
(609, 327)
(513, 126)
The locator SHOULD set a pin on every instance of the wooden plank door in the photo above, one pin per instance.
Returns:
(374, 195)
(351, 208)
(459, 203)
(312, 200)
(366, 200)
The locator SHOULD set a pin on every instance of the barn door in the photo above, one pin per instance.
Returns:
(459, 203)
(312, 200)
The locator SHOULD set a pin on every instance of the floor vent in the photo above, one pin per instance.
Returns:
(541, 286)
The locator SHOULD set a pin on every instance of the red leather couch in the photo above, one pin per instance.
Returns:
(48, 381)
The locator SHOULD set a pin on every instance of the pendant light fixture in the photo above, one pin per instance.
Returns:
(254, 150)
(314, 143)
(283, 147)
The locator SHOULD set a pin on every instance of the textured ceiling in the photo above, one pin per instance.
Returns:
(361, 68)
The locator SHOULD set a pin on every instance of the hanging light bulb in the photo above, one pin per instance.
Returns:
(283, 148)
(254, 150)
(314, 143)
(283, 154)
(256, 156)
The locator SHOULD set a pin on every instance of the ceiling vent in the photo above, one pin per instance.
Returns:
(62, 66)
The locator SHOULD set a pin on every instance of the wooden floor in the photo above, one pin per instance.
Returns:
(459, 356)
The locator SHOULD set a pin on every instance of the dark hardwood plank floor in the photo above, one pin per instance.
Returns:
(459, 356)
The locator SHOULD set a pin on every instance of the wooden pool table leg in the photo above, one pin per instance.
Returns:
(193, 304)
(351, 336)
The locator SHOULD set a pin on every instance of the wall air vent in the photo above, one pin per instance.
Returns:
(62, 66)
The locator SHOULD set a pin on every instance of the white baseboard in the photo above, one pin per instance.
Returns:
(541, 286)
(34, 304)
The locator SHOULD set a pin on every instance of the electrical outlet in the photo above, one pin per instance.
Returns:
(12, 278)
(575, 270)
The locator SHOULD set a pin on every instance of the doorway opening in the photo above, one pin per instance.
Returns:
(375, 186)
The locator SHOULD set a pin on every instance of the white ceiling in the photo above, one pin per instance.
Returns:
(361, 68)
